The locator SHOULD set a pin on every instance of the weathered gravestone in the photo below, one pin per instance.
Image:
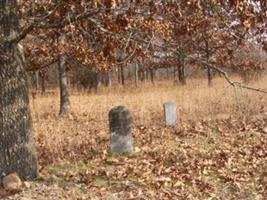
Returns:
(170, 113)
(120, 123)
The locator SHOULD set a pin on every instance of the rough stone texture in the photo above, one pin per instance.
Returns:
(120, 122)
(170, 113)
(12, 182)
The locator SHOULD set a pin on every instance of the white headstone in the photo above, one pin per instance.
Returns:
(170, 113)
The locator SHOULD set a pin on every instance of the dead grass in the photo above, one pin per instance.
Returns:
(89, 113)
(195, 101)
(216, 126)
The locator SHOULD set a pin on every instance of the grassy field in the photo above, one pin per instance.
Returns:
(216, 151)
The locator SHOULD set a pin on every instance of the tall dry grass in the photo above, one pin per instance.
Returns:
(195, 101)
(89, 112)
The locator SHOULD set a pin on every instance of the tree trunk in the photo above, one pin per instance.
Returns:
(136, 78)
(175, 75)
(142, 75)
(122, 75)
(36, 81)
(152, 76)
(17, 152)
(119, 74)
(98, 81)
(43, 84)
(210, 77)
(181, 72)
(209, 69)
(63, 86)
(147, 75)
(109, 78)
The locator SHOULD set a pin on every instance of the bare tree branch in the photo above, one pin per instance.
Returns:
(42, 24)
(29, 27)
(127, 58)
(236, 83)
(43, 65)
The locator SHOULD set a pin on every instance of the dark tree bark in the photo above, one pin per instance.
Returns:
(109, 78)
(210, 76)
(63, 85)
(43, 84)
(37, 84)
(142, 75)
(98, 81)
(209, 69)
(181, 72)
(36, 81)
(168, 74)
(122, 75)
(119, 74)
(175, 76)
(152, 76)
(17, 152)
(147, 74)
(136, 78)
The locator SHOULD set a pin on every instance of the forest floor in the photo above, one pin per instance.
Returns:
(217, 151)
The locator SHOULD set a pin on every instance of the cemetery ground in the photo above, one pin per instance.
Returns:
(217, 150)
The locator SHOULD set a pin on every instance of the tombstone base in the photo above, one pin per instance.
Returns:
(121, 144)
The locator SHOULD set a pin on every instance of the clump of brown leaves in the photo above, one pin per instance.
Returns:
(224, 159)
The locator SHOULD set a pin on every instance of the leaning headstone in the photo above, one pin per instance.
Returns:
(170, 113)
(120, 124)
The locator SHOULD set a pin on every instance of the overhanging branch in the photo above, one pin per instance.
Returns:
(236, 83)
(177, 52)
(43, 66)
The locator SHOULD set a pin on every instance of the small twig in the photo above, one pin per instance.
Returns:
(128, 42)
(149, 43)
(127, 58)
